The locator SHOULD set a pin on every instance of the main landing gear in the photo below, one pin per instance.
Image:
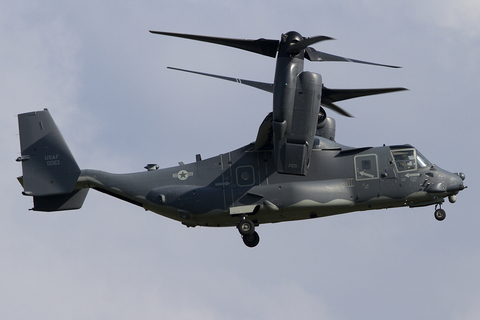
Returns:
(440, 214)
(250, 237)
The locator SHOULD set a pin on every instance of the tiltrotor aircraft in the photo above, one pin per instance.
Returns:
(294, 170)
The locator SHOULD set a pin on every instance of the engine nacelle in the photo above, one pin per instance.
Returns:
(325, 126)
(294, 124)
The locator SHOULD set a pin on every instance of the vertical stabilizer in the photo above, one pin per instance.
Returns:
(48, 165)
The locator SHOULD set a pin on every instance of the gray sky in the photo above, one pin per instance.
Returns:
(104, 79)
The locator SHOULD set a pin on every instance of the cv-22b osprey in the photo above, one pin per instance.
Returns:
(294, 170)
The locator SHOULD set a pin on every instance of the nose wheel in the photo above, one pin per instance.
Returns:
(250, 237)
(439, 213)
(246, 227)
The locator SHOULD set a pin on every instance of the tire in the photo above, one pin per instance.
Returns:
(251, 240)
(440, 214)
(246, 227)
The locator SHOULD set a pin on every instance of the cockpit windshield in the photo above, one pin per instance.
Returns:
(409, 159)
(422, 161)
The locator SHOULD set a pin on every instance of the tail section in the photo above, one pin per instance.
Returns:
(50, 171)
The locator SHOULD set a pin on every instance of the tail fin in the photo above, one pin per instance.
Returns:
(50, 171)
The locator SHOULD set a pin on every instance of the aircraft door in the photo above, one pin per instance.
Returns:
(237, 177)
(366, 176)
(388, 177)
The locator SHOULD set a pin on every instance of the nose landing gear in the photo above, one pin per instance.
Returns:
(250, 237)
(440, 214)
(246, 227)
(251, 240)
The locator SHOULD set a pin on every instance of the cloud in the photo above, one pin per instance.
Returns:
(104, 79)
(457, 16)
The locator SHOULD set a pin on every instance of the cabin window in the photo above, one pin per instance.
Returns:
(245, 176)
(366, 164)
(366, 167)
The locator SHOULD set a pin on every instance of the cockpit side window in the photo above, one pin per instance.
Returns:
(409, 159)
(405, 160)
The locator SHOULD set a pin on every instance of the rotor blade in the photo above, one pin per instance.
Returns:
(314, 55)
(330, 105)
(329, 96)
(261, 46)
(259, 85)
(334, 95)
(307, 42)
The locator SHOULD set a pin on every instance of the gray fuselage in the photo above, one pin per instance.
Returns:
(219, 190)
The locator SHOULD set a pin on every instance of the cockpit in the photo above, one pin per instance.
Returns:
(409, 159)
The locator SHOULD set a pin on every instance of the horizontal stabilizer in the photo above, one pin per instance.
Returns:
(60, 202)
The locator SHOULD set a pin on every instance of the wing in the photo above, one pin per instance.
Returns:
(265, 134)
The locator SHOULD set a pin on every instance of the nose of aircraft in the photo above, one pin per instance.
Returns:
(448, 182)
(455, 182)
(456, 186)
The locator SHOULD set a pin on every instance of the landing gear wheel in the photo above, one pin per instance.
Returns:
(440, 214)
(251, 240)
(246, 227)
